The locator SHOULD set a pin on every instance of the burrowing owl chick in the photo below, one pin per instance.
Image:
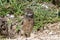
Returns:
(28, 22)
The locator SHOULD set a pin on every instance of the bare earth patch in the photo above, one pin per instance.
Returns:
(50, 32)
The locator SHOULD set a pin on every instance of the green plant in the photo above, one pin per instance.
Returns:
(41, 16)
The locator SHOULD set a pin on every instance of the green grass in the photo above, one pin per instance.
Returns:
(41, 16)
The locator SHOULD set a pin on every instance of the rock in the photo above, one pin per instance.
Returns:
(51, 32)
(45, 6)
(10, 16)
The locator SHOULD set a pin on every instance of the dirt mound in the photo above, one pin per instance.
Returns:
(50, 32)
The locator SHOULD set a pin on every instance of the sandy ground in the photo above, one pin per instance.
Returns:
(50, 32)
